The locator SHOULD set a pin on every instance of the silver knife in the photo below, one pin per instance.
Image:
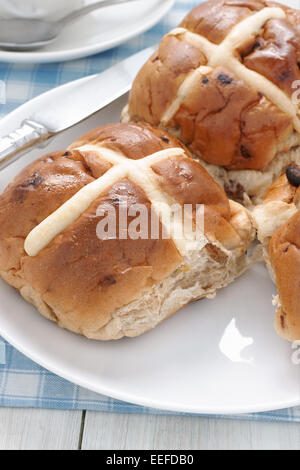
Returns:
(72, 105)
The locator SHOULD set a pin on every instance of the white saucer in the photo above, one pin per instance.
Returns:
(97, 32)
(214, 356)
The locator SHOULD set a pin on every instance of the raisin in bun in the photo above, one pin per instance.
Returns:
(109, 288)
(278, 224)
(224, 82)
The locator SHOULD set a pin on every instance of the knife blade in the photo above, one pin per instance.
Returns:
(72, 105)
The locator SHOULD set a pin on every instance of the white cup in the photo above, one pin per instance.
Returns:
(45, 9)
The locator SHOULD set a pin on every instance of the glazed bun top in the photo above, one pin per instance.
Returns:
(224, 82)
(52, 207)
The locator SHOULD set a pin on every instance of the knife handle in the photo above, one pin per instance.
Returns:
(17, 142)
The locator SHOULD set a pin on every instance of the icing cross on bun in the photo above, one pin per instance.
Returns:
(119, 286)
(224, 83)
(278, 224)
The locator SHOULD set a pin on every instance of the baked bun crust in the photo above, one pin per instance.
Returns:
(278, 224)
(107, 289)
(223, 83)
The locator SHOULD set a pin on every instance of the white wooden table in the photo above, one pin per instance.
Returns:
(55, 430)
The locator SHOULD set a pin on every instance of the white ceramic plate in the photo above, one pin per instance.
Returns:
(214, 356)
(97, 32)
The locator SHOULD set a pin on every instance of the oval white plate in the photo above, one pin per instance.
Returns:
(215, 356)
(97, 32)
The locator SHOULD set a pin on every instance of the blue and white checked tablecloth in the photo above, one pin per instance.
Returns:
(22, 382)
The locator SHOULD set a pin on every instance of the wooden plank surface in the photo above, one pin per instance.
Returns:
(54, 429)
(24, 429)
(150, 432)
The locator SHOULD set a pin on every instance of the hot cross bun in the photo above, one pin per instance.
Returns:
(110, 287)
(226, 82)
(278, 224)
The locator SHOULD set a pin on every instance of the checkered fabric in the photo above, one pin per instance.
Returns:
(22, 382)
